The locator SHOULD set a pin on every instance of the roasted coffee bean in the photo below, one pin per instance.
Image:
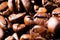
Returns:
(14, 17)
(40, 18)
(52, 24)
(40, 31)
(26, 37)
(4, 9)
(54, 27)
(37, 30)
(4, 23)
(18, 27)
(56, 13)
(3, 5)
(28, 20)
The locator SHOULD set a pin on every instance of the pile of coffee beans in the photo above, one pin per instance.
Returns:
(29, 19)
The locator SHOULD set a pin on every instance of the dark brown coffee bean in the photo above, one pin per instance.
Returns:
(37, 30)
(14, 17)
(40, 18)
(28, 20)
